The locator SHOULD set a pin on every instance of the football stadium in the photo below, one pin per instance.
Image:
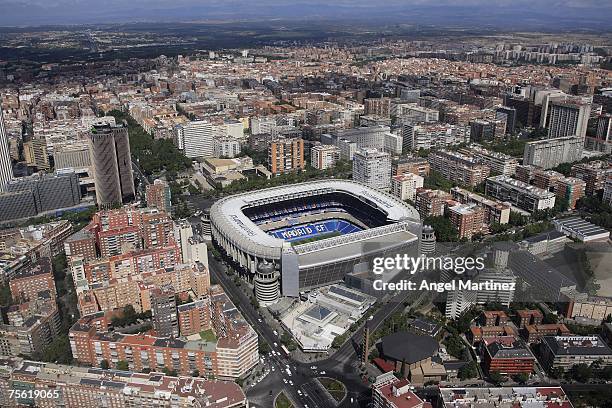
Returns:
(314, 233)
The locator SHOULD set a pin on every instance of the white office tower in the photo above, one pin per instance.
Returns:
(428, 240)
(492, 294)
(372, 168)
(459, 301)
(196, 139)
(549, 153)
(267, 284)
(568, 119)
(6, 168)
(193, 248)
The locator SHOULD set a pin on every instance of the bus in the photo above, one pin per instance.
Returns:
(284, 349)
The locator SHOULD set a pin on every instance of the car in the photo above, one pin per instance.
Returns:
(371, 317)
(275, 345)
(322, 373)
(299, 393)
(313, 367)
(290, 382)
(260, 321)
(275, 333)
(285, 380)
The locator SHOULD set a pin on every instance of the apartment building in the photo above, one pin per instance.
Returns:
(158, 195)
(405, 186)
(570, 189)
(83, 387)
(522, 195)
(163, 310)
(526, 173)
(545, 397)
(458, 167)
(231, 352)
(498, 163)
(31, 327)
(417, 136)
(506, 355)
(564, 352)
(27, 284)
(546, 179)
(285, 155)
(323, 157)
(378, 106)
(550, 153)
(495, 212)
(431, 202)
(527, 317)
(395, 394)
(194, 317)
(111, 289)
(372, 168)
(468, 219)
(415, 165)
(593, 173)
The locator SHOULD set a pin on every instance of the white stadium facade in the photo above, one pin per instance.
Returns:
(314, 233)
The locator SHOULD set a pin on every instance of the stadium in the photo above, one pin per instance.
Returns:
(315, 232)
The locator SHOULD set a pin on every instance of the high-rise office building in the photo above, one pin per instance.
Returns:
(602, 141)
(568, 119)
(6, 168)
(508, 115)
(195, 139)
(372, 168)
(109, 147)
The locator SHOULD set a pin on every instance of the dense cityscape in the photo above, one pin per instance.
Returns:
(295, 215)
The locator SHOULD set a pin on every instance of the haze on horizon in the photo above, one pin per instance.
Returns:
(544, 14)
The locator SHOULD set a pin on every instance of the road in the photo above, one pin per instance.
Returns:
(141, 176)
(342, 365)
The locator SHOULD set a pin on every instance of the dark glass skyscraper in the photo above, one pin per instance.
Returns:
(109, 147)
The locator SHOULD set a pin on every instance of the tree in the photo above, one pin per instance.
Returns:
(444, 229)
(521, 378)
(5, 295)
(195, 373)
(104, 364)
(581, 372)
(264, 348)
(437, 181)
(58, 351)
(469, 370)
(122, 365)
(496, 377)
(170, 372)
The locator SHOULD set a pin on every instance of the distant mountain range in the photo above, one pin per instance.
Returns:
(549, 15)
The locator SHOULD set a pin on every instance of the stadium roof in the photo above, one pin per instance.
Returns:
(227, 215)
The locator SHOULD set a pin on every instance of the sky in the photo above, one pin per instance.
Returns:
(42, 12)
